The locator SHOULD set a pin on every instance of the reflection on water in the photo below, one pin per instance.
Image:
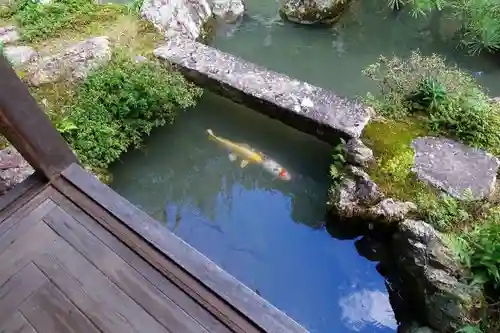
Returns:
(334, 57)
(268, 233)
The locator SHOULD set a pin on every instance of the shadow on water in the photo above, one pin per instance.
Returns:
(268, 233)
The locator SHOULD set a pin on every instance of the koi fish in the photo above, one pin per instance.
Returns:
(248, 155)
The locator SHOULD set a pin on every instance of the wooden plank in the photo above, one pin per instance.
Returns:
(28, 128)
(10, 217)
(19, 288)
(200, 314)
(231, 317)
(25, 190)
(261, 312)
(17, 324)
(13, 229)
(162, 308)
(106, 305)
(37, 240)
(49, 311)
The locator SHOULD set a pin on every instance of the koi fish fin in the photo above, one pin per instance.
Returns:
(232, 157)
(244, 163)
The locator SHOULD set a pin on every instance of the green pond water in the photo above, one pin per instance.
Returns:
(270, 234)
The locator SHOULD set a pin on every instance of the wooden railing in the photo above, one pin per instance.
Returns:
(26, 126)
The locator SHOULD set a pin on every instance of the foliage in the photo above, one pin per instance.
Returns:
(338, 162)
(444, 213)
(135, 6)
(116, 106)
(40, 21)
(450, 100)
(480, 19)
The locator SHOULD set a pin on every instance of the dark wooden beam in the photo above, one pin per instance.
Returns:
(28, 128)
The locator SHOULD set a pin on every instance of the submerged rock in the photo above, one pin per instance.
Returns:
(430, 278)
(313, 11)
(455, 167)
(20, 55)
(358, 154)
(73, 63)
(228, 11)
(9, 34)
(13, 168)
(177, 17)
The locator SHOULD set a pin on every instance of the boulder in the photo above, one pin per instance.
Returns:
(73, 63)
(358, 154)
(415, 328)
(313, 11)
(178, 17)
(391, 211)
(13, 168)
(9, 34)
(20, 55)
(355, 195)
(429, 278)
(228, 11)
(454, 167)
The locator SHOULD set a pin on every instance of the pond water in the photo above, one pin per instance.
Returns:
(334, 57)
(267, 233)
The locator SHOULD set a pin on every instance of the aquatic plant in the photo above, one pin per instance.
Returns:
(40, 21)
(449, 100)
(116, 106)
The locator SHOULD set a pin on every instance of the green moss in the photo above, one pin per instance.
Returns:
(390, 141)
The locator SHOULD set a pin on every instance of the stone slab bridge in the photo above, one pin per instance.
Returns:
(77, 257)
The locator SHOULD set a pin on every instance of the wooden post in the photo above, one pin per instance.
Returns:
(28, 128)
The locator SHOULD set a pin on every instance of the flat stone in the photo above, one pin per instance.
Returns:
(177, 17)
(9, 34)
(20, 55)
(13, 168)
(73, 63)
(308, 108)
(454, 167)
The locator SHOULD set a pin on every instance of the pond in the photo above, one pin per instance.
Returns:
(266, 232)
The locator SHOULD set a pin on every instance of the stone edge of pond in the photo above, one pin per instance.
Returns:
(306, 107)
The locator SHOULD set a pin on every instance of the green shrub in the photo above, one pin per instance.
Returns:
(116, 106)
(450, 100)
(40, 21)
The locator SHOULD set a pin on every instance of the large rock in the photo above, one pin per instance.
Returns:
(358, 153)
(177, 17)
(455, 167)
(313, 11)
(429, 278)
(391, 211)
(20, 55)
(9, 34)
(13, 168)
(229, 11)
(73, 63)
(308, 108)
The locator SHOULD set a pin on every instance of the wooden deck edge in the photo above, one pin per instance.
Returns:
(21, 193)
(267, 317)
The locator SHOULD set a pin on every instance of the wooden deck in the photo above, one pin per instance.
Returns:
(77, 257)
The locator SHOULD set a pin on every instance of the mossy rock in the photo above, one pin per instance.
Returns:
(313, 11)
(390, 141)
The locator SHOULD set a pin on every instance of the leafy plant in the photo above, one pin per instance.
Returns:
(135, 6)
(338, 162)
(444, 213)
(450, 100)
(470, 329)
(116, 106)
